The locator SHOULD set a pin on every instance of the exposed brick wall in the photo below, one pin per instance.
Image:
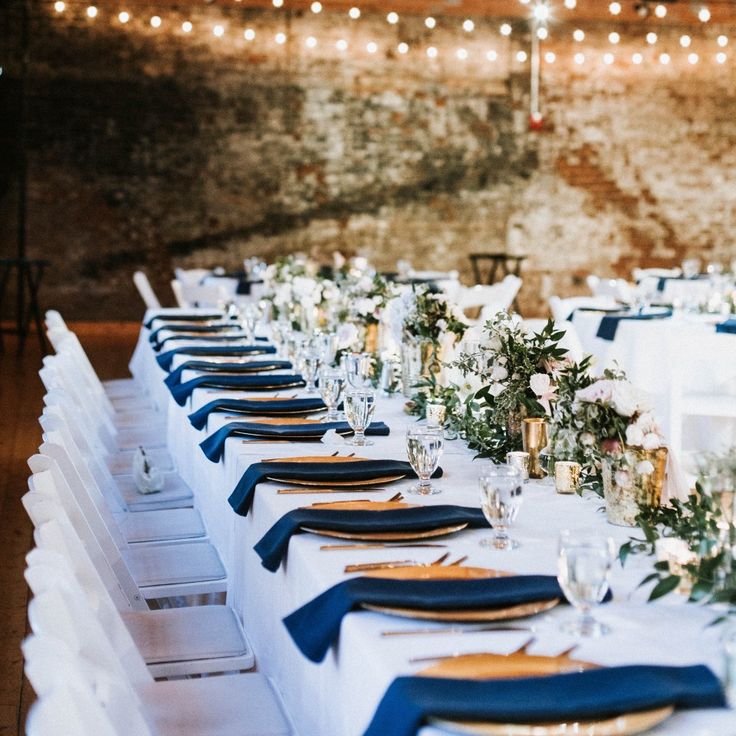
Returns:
(153, 148)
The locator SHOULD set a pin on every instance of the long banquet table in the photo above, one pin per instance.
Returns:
(338, 696)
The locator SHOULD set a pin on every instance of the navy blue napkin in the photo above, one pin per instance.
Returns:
(219, 327)
(315, 625)
(728, 326)
(274, 544)
(591, 309)
(609, 323)
(214, 446)
(165, 359)
(202, 338)
(274, 407)
(201, 317)
(593, 694)
(323, 472)
(254, 366)
(183, 391)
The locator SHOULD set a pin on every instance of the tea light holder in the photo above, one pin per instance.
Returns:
(520, 461)
(436, 413)
(567, 476)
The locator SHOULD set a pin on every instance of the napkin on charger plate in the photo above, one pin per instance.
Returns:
(183, 391)
(270, 407)
(165, 359)
(203, 366)
(184, 317)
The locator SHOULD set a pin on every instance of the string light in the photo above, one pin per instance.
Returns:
(651, 38)
(311, 42)
(637, 58)
(664, 58)
(316, 7)
(693, 58)
(685, 41)
(432, 52)
(248, 34)
(703, 14)
(59, 6)
(341, 45)
(403, 48)
(542, 33)
(578, 34)
(430, 22)
(550, 57)
(614, 8)
(155, 21)
(571, 4)
(541, 12)
(461, 54)
(491, 55)
(354, 13)
(123, 17)
(392, 18)
(280, 38)
(505, 29)
(278, 3)
(722, 41)
(371, 47)
(660, 11)
(608, 58)
(91, 11)
(521, 56)
(579, 58)
(218, 31)
(186, 26)
(614, 37)
(721, 57)
(468, 25)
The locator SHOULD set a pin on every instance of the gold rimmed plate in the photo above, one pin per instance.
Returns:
(397, 536)
(497, 666)
(227, 387)
(333, 483)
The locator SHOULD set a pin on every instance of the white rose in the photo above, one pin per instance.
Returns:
(442, 324)
(365, 284)
(622, 478)
(644, 468)
(587, 439)
(499, 373)
(496, 389)
(347, 335)
(651, 441)
(625, 399)
(634, 435)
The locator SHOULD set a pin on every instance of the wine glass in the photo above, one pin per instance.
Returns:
(250, 315)
(358, 369)
(500, 499)
(310, 366)
(330, 388)
(359, 407)
(584, 566)
(424, 447)
(326, 345)
(279, 332)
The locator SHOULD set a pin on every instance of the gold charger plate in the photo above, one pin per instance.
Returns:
(226, 387)
(380, 536)
(332, 483)
(519, 610)
(495, 666)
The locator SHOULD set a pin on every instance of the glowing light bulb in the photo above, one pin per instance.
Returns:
(614, 37)
(614, 8)
(280, 38)
(722, 41)
(578, 34)
(354, 13)
(685, 41)
(491, 55)
(541, 12)
(432, 52)
(392, 18)
(693, 58)
(249, 34)
(371, 47)
(637, 58)
(521, 56)
(579, 58)
(651, 38)
(341, 45)
(316, 7)
(59, 6)
(660, 11)
(156, 21)
(608, 58)
(91, 11)
(550, 57)
(571, 4)
(461, 54)
(403, 48)
(123, 16)
(664, 58)
(186, 26)
(218, 31)
(311, 42)
(721, 57)
(430, 22)
(703, 14)
(468, 25)
(278, 3)
(505, 29)
(542, 33)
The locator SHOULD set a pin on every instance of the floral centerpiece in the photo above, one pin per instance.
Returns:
(517, 370)
(615, 424)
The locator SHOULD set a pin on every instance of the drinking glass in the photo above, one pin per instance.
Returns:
(584, 566)
(310, 367)
(330, 388)
(500, 499)
(280, 329)
(358, 369)
(359, 407)
(250, 315)
(326, 345)
(424, 448)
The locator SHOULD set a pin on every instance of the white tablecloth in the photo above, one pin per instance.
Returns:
(338, 696)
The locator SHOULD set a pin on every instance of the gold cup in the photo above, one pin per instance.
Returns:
(534, 440)
(567, 476)
(520, 461)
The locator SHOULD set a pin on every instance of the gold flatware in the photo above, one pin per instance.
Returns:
(376, 545)
(367, 566)
(457, 563)
(302, 491)
(440, 560)
(334, 503)
(521, 650)
(456, 630)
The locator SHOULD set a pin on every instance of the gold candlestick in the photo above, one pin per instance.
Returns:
(534, 439)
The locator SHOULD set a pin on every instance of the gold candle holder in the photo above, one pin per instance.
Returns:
(520, 461)
(534, 439)
(436, 414)
(567, 476)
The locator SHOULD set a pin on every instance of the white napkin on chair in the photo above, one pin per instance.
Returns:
(146, 476)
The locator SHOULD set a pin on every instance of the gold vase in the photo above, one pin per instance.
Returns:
(623, 501)
(370, 340)
(534, 440)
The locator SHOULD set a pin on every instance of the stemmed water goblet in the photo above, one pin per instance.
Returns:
(310, 367)
(584, 566)
(331, 383)
(359, 407)
(500, 499)
(325, 343)
(250, 314)
(358, 369)
(424, 447)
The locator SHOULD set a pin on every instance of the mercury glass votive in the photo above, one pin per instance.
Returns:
(567, 476)
(435, 414)
(520, 461)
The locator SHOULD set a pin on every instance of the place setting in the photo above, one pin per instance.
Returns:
(232, 352)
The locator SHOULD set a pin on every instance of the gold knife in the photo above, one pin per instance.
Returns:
(375, 545)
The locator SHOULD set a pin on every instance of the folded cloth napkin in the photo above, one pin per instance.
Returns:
(273, 407)
(609, 323)
(591, 309)
(214, 446)
(227, 337)
(274, 544)
(254, 366)
(165, 359)
(315, 625)
(153, 338)
(593, 694)
(183, 391)
(728, 326)
(182, 317)
(327, 472)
